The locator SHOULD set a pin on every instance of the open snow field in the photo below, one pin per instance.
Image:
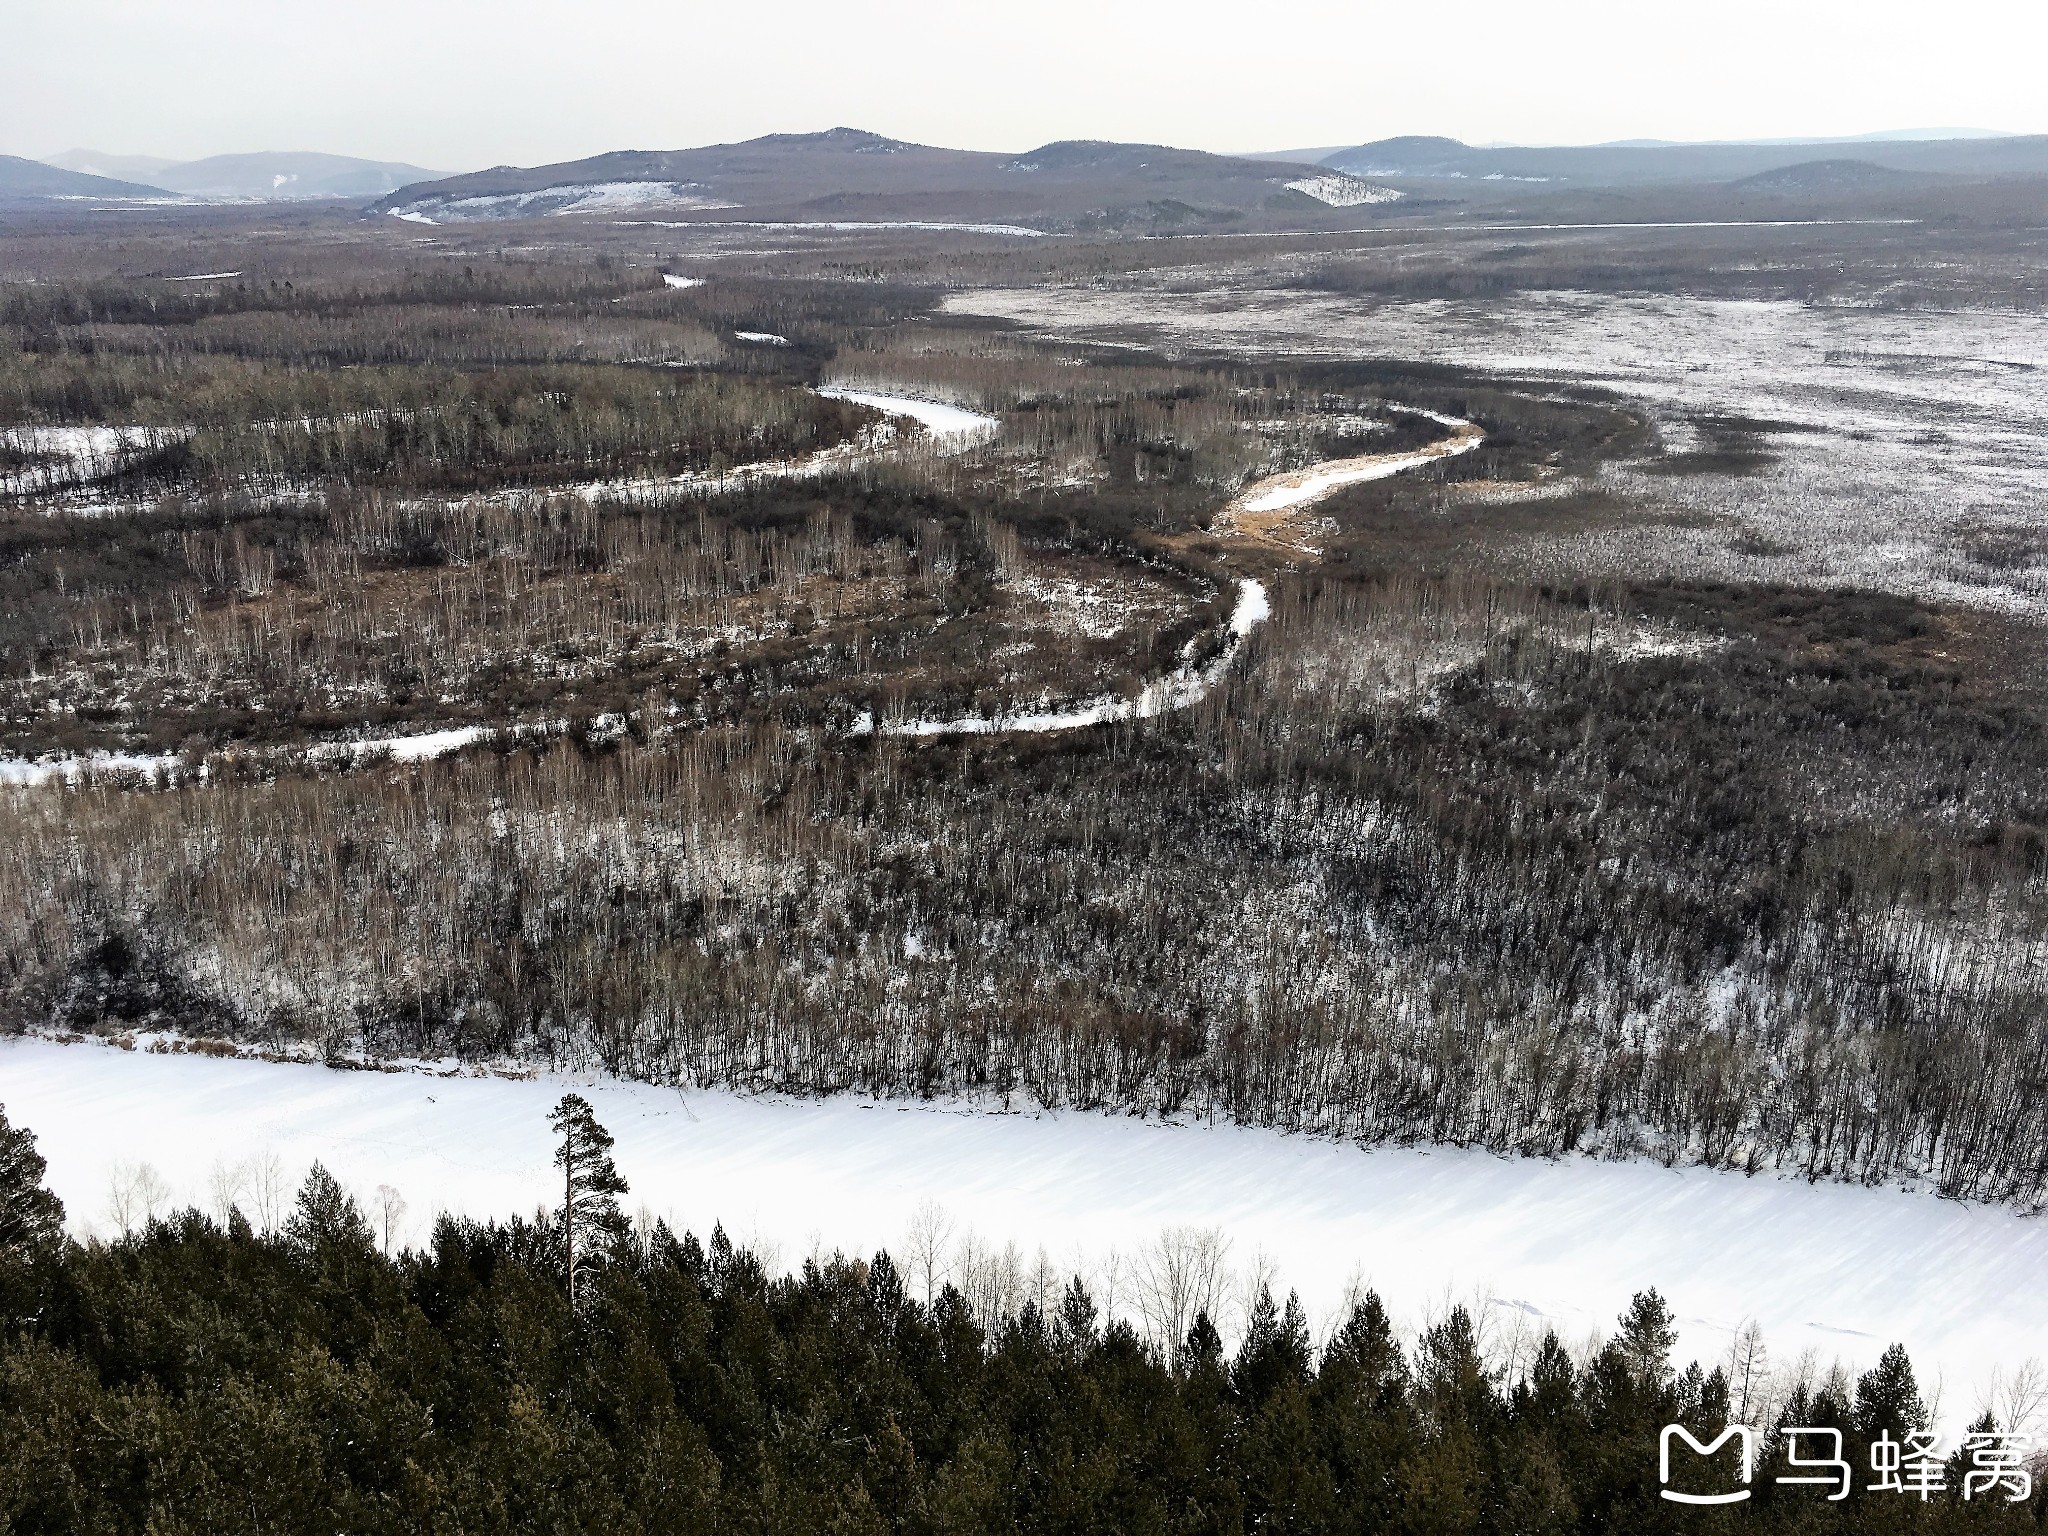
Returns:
(1912, 455)
(1833, 1269)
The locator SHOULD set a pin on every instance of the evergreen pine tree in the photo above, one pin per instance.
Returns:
(590, 1184)
(326, 1218)
(1074, 1324)
(30, 1216)
(1648, 1335)
(1275, 1351)
(1201, 1353)
(1888, 1398)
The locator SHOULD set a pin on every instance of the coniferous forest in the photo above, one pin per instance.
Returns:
(199, 1378)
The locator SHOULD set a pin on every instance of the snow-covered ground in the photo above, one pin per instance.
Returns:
(30, 773)
(1305, 487)
(597, 197)
(942, 421)
(1830, 1268)
(848, 226)
(1915, 448)
(407, 749)
(75, 453)
(1341, 191)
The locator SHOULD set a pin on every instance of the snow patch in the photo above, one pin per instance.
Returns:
(1339, 191)
(850, 226)
(25, 773)
(31, 773)
(597, 197)
(74, 454)
(941, 420)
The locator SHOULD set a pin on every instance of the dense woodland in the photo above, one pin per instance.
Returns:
(200, 1376)
(1462, 849)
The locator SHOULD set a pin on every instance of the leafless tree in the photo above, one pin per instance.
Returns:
(1181, 1274)
(390, 1208)
(269, 1191)
(927, 1246)
(226, 1185)
(136, 1196)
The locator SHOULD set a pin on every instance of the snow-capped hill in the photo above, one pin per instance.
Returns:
(1340, 191)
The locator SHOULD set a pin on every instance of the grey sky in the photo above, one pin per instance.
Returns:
(458, 84)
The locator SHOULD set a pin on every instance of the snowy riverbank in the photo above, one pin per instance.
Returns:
(1830, 1268)
(1182, 688)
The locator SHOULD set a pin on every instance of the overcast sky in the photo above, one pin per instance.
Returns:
(461, 84)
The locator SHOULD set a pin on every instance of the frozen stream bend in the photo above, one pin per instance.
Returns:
(89, 455)
(1259, 510)
(1838, 1269)
(946, 430)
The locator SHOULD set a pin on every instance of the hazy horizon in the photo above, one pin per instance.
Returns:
(470, 83)
(1875, 136)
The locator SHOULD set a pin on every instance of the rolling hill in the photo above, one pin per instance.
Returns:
(849, 174)
(31, 181)
(1629, 165)
(270, 176)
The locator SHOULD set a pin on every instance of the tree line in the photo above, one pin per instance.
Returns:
(200, 1377)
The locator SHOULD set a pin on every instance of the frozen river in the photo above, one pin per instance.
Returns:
(1830, 1268)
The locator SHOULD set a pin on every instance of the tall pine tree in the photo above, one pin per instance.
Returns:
(30, 1216)
(590, 1184)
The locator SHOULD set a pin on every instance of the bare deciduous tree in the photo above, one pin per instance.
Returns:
(269, 1191)
(390, 1211)
(927, 1245)
(1184, 1273)
(226, 1185)
(136, 1196)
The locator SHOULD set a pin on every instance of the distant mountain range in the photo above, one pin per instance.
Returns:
(1885, 136)
(1626, 165)
(848, 175)
(266, 177)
